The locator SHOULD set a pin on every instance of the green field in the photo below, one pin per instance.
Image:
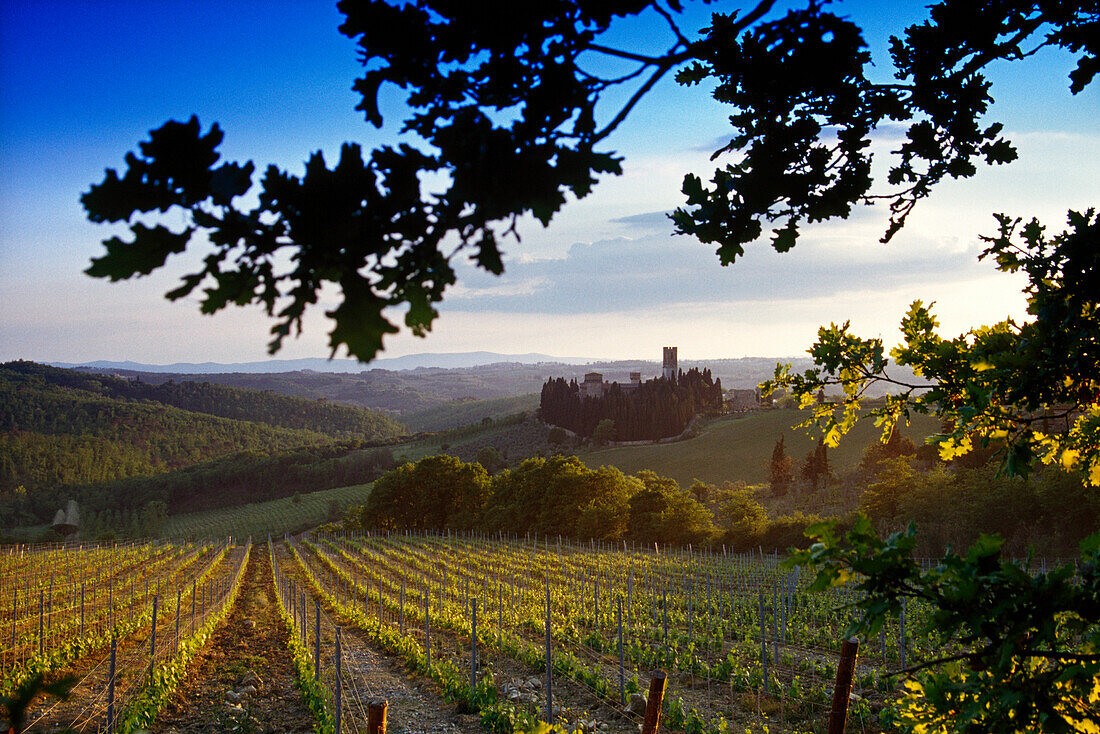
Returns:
(738, 448)
(459, 413)
(261, 519)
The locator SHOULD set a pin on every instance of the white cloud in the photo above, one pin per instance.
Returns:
(623, 274)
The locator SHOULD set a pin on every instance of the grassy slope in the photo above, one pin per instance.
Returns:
(739, 448)
(459, 413)
(263, 518)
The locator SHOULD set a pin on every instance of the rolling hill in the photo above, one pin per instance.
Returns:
(62, 429)
(739, 448)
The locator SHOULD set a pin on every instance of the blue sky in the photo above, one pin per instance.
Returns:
(81, 83)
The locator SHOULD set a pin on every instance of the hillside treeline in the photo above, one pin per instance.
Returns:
(1049, 512)
(53, 436)
(897, 483)
(396, 391)
(124, 506)
(655, 409)
(282, 411)
(561, 496)
(62, 427)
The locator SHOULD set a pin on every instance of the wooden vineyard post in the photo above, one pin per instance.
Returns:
(901, 635)
(473, 645)
(153, 644)
(427, 633)
(596, 602)
(376, 716)
(339, 681)
(775, 627)
(838, 716)
(304, 627)
(317, 642)
(49, 618)
(653, 704)
(111, 687)
(763, 643)
(177, 645)
(622, 672)
(14, 609)
(664, 598)
(549, 662)
(691, 620)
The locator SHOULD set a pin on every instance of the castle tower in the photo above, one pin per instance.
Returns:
(669, 369)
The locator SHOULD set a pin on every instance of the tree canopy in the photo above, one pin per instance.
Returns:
(1026, 641)
(510, 111)
(1030, 390)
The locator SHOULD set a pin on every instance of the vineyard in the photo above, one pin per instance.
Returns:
(744, 644)
(515, 630)
(121, 620)
(274, 517)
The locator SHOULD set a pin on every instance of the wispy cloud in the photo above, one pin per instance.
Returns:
(651, 271)
(651, 221)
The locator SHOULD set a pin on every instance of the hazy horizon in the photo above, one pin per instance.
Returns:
(445, 360)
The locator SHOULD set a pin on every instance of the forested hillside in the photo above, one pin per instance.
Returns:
(61, 429)
(231, 481)
(394, 391)
(271, 408)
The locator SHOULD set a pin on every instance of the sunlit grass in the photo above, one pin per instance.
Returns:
(739, 448)
(276, 517)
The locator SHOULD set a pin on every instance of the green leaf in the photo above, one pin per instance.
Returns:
(488, 254)
(148, 251)
(1091, 544)
(784, 239)
(359, 321)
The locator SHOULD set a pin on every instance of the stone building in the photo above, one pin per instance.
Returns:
(739, 401)
(669, 368)
(595, 387)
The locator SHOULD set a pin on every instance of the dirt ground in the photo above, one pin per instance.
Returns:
(243, 680)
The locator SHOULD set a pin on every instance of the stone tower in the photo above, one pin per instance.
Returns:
(669, 369)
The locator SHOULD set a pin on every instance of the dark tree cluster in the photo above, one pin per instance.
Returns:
(554, 496)
(815, 467)
(780, 473)
(656, 409)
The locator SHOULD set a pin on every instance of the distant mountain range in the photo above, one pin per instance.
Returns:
(457, 360)
(421, 382)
